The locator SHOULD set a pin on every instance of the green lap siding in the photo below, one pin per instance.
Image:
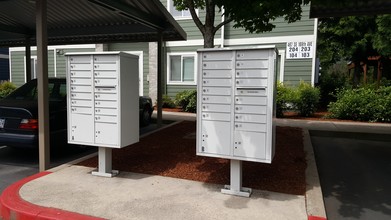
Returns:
(129, 47)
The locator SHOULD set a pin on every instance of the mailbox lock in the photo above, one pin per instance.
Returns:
(204, 64)
(238, 64)
(238, 73)
(237, 82)
(204, 73)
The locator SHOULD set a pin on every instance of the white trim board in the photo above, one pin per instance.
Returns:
(245, 41)
(81, 46)
(4, 56)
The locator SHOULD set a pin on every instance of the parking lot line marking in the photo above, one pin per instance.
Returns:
(1, 147)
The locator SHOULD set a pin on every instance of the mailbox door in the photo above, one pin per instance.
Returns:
(216, 137)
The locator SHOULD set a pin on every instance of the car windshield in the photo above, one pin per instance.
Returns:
(29, 91)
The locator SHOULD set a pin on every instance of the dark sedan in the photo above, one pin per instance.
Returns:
(19, 115)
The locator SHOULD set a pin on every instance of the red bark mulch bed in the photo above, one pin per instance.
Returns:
(172, 152)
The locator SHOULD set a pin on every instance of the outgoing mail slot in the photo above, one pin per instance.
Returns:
(216, 82)
(253, 100)
(216, 99)
(240, 126)
(106, 96)
(106, 111)
(216, 116)
(105, 82)
(86, 103)
(106, 89)
(257, 73)
(105, 74)
(81, 88)
(251, 54)
(81, 95)
(217, 73)
(106, 104)
(217, 56)
(80, 59)
(251, 82)
(105, 66)
(80, 66)
(222, 65)
(249, 64)
(81, 73)
(106, 118)
(80, 81)
(216, 91)
(251, 109)
(216, 108)
(251, 92)
(81, 110)
(250, 118)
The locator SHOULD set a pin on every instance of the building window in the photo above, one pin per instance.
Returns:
(184, 14)
(181, 69)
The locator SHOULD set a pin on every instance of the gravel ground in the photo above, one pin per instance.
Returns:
(172, 152)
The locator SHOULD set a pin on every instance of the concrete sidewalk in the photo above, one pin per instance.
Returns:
(71, 192)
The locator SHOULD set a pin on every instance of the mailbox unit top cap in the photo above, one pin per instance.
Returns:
(101, 53)
(239, 48)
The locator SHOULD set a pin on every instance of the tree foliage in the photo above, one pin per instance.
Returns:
(354, 38)
(255, 16)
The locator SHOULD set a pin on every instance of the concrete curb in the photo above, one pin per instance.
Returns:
(12, 206)
(314, 197)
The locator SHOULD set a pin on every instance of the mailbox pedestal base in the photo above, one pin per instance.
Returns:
(105, 162)
(236, 181)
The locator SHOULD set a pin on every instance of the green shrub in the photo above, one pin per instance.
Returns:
(167, 102)
(330, 82)
(306, 99)
(362, 104)
(283, 99)
(187, 100)
(6, 88)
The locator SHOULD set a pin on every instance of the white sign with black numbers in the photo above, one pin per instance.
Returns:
(299, 50)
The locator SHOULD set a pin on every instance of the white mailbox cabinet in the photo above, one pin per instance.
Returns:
(236, 89)
(103, 100)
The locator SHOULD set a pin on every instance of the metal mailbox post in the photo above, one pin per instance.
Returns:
(235, 107)
(102, 91)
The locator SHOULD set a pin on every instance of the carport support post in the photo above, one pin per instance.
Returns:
(160, 82)
(28, 59)
(105, 162)
(236, 181)
(42, 76)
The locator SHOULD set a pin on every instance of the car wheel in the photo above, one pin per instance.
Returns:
(146, 117)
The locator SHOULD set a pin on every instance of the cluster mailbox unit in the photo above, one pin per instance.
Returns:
(102, 91)
(235, 107)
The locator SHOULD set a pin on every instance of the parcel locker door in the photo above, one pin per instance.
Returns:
(82, 127)
(250, 144)
(216, 137)
(106, 133)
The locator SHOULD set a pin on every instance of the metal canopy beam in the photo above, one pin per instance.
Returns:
(130, 12)
(17, 30)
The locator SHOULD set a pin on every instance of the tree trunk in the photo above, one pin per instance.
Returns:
(208, 38)
(356, 74)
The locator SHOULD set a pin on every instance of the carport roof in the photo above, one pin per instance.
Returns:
(341, 8)
(88, 21)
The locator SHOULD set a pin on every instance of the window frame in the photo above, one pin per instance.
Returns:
(170, 3)
(184, 54)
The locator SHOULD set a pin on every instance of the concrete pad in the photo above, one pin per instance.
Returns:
(140, 196)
